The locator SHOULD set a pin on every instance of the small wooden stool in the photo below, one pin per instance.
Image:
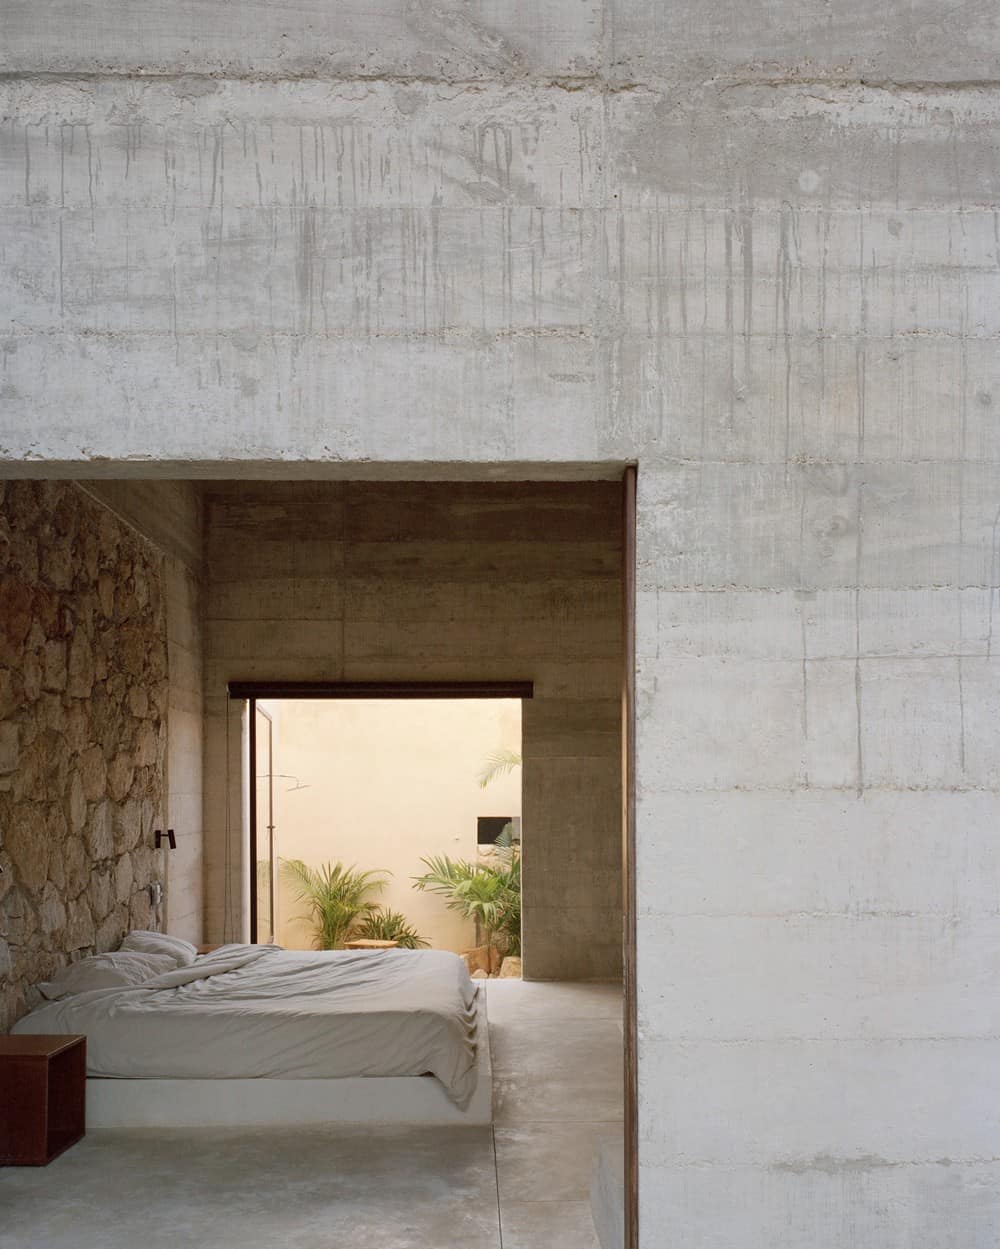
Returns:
(43, 1097)
(366, 943)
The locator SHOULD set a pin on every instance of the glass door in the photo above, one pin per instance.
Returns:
(262, 826)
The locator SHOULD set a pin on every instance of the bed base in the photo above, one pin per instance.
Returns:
(386, 1100)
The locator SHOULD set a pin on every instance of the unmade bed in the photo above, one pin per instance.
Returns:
(257, 1034)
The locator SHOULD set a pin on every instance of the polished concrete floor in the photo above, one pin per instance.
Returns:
(522, 1184)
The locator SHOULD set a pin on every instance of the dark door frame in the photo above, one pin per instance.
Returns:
(252, 691)
(254, 812)
(628, 861)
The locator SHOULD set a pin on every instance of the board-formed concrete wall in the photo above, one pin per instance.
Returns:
(484, 581)
(750, 246)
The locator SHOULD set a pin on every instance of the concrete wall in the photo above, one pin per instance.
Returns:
(485, 581)
(383, 785)
(169, 514)
(751, 246)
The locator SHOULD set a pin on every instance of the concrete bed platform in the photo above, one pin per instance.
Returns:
(389, 1100)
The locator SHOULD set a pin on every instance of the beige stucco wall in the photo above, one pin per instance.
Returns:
(382, 784)
(437, 581)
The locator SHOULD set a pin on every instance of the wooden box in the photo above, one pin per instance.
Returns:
(43, 1083)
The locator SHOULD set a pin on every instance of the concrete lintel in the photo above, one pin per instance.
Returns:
(311, 470)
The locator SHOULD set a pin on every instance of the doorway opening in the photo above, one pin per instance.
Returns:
(391, 578)
(388, 819)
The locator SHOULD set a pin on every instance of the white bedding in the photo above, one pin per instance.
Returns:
(263, 1012)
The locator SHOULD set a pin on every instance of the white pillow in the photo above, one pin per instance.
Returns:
(182, 952)
(120, 970)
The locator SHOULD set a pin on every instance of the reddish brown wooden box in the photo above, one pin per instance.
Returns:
(43, 1082)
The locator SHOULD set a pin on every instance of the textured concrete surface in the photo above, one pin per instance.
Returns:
(557, 1081)
(346, 1187)
(486, 581)
(311, 1188)
(749, 246)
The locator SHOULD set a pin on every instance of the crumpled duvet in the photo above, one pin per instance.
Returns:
(263, 1012)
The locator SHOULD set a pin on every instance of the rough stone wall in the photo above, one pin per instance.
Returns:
(457, 581)
(169, 514)
(83, 702)
(749, 245)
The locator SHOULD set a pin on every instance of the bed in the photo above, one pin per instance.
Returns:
(257, 1034)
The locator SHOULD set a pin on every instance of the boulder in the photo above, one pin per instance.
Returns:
(477, 959)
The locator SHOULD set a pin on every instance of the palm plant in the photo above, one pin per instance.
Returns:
(337, 897)
(490, 894)
(498, 764)
(389, 925)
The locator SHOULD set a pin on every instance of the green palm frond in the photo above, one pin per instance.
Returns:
(498, 764)
(337, 897)
(490, 894)
(389, 925)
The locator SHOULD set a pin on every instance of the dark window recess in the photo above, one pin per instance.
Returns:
(490, 827)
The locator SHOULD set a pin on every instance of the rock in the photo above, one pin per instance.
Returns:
(111, 931)
(57, 565)
(93, 773)
(6, 875)
(138, 701)
(10, 746)
(31, 677)
(477, 959)
(81, 667)
(80, 930)
(10, 693)
(140, 913)
(146, 745)
(57, 865)
(54, 672)
(123, 879)
(101, 894)
(52, 912)
(89, 554)
(76, 866)
(510, 968)
(106, 594)
(120, 777)
(15, 616)
(99, 836)
(30, 774)
(126, 823)
(77, 727)
(28, 846)
(132, 650)
(53, 714)
(76, 805)
(479, 974)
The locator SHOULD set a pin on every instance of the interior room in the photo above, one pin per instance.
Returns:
(145, 788)
(348, 320)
